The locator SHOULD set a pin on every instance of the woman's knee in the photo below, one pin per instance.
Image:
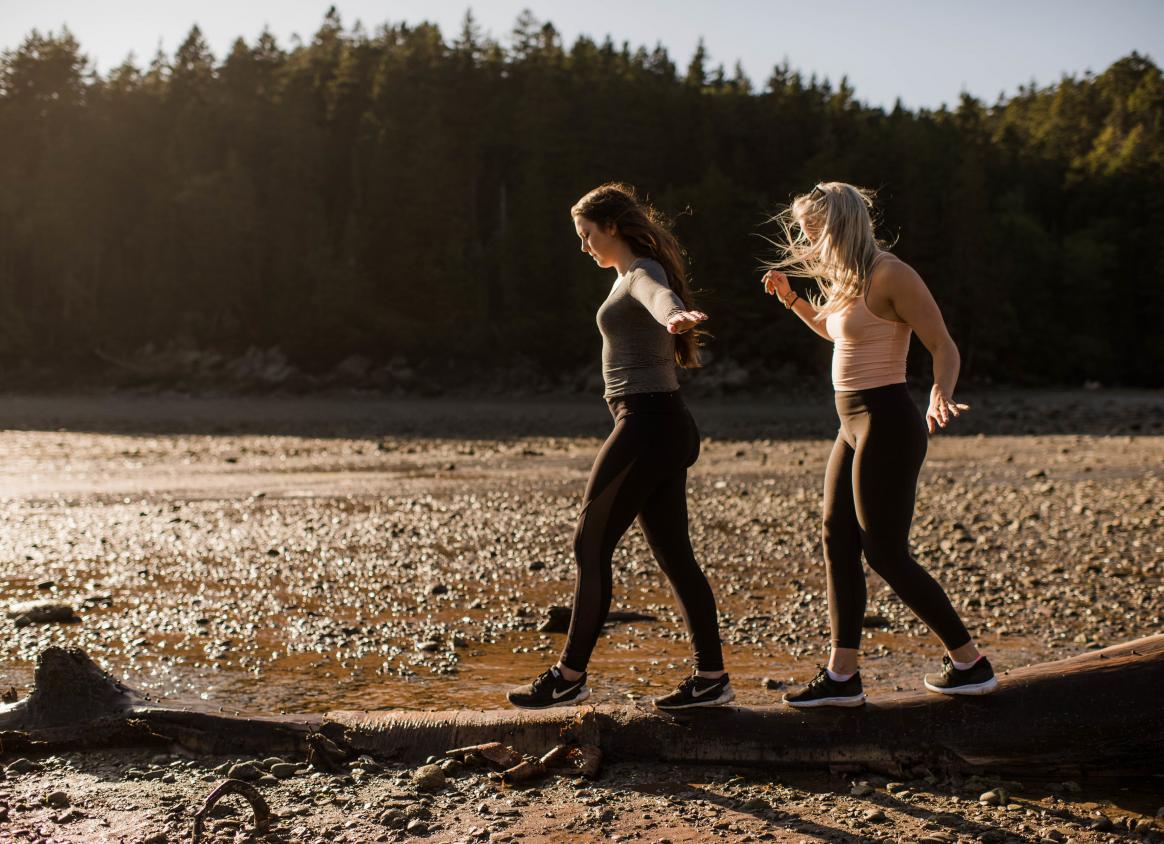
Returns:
(891, 560)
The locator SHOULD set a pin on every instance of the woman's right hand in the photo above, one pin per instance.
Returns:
(776, 284)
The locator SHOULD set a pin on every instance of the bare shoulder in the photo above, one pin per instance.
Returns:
(895, 277)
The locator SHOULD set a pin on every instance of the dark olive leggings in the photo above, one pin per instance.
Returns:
(641, 472)
(869, 491)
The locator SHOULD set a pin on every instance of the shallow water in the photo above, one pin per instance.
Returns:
(292, 555)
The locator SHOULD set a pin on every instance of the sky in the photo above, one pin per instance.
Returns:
(923, 52)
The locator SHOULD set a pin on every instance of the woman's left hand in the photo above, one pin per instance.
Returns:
(941, 409)
(681, 321)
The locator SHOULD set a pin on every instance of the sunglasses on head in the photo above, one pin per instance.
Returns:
(817, 192)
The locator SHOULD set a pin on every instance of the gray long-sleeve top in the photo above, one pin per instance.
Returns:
(638, 353)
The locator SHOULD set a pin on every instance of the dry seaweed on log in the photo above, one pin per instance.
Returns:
(325, 755)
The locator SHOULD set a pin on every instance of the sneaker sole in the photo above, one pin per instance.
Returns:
(578, 698)
(855, 700)
(984, 688)
(727, 696)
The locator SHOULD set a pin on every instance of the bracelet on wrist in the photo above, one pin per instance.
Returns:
(790, 301)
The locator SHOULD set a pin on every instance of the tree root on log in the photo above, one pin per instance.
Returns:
(1097, 713)
(513, 767)
(262, 812)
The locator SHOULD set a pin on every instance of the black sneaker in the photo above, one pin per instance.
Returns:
(978, 679)
(548, 690)
(698, 691)
(823, 690)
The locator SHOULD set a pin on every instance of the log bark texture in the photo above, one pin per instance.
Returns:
(1096, 714)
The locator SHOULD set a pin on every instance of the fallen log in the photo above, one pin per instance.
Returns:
(1096, 714)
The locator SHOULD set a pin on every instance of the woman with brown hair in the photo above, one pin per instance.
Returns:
(869, 304)
(647, 324)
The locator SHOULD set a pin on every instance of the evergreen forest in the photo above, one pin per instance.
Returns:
(402, 194)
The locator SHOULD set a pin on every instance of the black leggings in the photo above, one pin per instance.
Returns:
(869, 491)
(641, 471)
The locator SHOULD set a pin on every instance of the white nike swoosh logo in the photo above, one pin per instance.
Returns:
(564, 692)
(705, 691)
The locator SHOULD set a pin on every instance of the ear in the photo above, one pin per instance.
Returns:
(611, 229)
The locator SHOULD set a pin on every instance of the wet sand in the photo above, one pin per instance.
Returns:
(410, 566)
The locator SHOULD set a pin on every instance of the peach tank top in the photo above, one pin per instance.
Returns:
(868, 351)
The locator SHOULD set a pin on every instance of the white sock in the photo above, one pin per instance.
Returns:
(839, 678)
(963, 666)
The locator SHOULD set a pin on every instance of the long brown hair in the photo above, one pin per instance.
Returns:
(648, 233)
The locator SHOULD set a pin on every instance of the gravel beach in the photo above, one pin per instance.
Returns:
(298, 555)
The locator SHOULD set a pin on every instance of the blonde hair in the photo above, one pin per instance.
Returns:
(840, 255)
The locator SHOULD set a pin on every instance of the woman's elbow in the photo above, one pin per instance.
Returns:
(947, 352)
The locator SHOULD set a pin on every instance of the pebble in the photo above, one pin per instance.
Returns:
(22, 766)
(772, 684)
(948, 819)
(428, 778)
(992, 836)
(755, 804)
(40, 612)
(247, 771)
(57, 799)
(391, 818)
(875, 816)
(284, 770)
(861, 789)
(417, 827)
(994, 797)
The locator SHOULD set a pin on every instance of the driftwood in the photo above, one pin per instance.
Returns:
(262, 812)
(1096, 714)
(76, 705)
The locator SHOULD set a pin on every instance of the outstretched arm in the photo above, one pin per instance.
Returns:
(776, 284)
(912, 301)
(662, 302)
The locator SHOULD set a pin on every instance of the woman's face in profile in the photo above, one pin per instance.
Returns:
(596, 242)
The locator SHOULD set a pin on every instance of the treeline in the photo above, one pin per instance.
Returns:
(402, 195)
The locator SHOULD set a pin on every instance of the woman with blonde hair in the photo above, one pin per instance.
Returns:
(869, 303)
(640, 472)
